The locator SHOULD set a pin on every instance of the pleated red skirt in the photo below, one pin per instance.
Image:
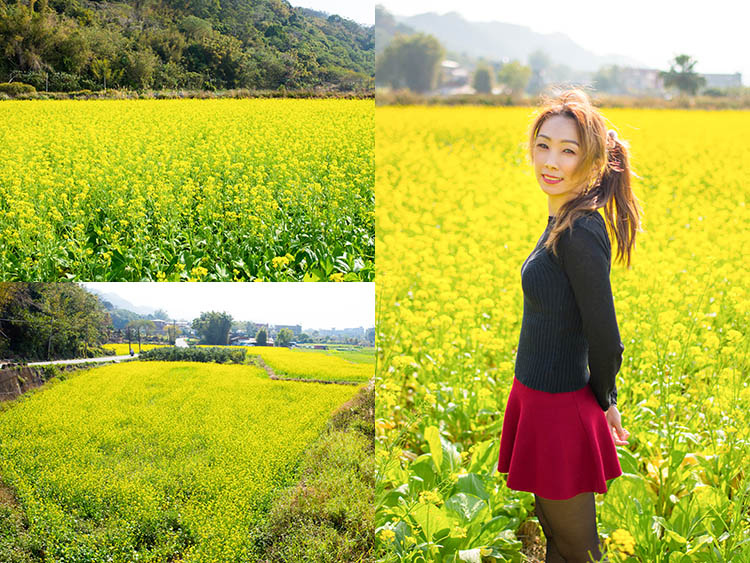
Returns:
(556, 445)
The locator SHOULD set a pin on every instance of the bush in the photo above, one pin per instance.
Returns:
(50, 371)
(16, 88)
(215, 355)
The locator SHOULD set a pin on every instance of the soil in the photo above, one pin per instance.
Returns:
(534, 546)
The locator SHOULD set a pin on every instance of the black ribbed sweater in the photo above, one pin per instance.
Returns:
(569, 321)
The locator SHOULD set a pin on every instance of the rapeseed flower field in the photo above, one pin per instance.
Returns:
(313, 364)
(458, 212)
(178, 190)
(157, 461)
(121, 348)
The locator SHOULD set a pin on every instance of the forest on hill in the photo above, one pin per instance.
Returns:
(70, 45)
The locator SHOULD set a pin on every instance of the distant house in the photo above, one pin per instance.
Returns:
(454, 79)
(296, 329)
(723, 80)
(642, 81)
(648, 81)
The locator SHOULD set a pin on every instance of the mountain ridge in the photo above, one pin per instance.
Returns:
(499, 40)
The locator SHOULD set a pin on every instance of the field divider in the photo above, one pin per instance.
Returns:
(258, 360)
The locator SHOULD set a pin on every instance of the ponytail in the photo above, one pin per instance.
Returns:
(621, 210)
(606, 163)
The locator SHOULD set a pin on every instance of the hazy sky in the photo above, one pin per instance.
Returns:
(361, 11)
(714, 33)
(312, 305)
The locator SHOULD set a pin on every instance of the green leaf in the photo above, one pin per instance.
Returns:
(431, 519)
(470, 555)
(465, 506)
(484, 457)
(432, 436)
(471, 484)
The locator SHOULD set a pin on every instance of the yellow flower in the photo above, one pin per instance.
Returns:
(337, 277)
(387, 535)
(623, 541)
(430, 497)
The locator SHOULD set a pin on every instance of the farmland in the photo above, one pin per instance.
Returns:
(156, 461)
(178, 190)
(122, 348)
(313, 364)
(327, 365)
(458, 212)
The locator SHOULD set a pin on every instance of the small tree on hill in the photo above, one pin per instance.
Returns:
(686, 80)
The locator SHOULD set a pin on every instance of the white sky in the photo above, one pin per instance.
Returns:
(361, 11)
(653, 32)
(312, 305)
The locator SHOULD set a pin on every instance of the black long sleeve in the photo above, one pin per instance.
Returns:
(569, 335)
(585, 257)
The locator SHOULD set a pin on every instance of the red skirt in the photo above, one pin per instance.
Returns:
(556, 445)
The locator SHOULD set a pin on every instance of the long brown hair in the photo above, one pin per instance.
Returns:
(604, 172)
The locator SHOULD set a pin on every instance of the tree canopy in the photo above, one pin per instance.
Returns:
(213, 328)
(411, 62)
(194, 44)
(682, 76)
(50, 320)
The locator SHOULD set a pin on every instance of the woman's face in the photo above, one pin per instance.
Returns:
(557, 152)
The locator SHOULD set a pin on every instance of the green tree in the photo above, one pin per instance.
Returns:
(539, 62)
(609, 79)
(213, 328)
(261, 337)
(514, 76)
(410, 61)
(140, 68)
(141, 326)
(685, 79)
(102, 70)
(173, 331)
(46, 321)
(284, 337)
(483, 79)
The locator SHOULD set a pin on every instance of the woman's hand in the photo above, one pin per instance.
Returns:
(619, 434)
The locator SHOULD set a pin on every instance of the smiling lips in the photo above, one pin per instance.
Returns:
(551, 179)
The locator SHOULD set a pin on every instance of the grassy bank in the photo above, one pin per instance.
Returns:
(328, 516)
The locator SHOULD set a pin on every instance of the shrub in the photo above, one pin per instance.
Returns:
(215, 355)
(16, 88)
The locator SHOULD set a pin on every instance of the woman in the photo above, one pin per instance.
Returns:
(561, 421)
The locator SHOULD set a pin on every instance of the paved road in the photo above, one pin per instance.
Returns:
(87, 360)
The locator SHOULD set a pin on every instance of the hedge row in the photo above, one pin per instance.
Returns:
(215, 355)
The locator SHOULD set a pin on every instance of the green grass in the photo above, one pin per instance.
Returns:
(328, 516)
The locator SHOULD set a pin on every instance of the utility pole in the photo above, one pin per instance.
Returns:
(49, 342)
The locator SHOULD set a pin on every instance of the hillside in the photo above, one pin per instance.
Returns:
(497, 40)
(66, 45)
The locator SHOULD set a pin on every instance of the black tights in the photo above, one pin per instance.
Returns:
(570, 528)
